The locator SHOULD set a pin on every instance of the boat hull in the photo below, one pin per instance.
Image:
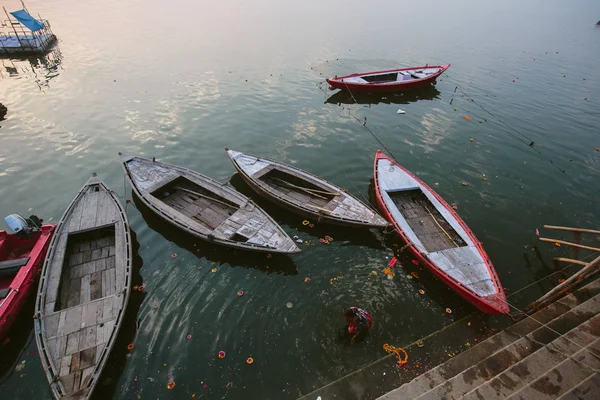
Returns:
(373, 220)
(343, 83)
(25, 280)
(83, 291)
(492, 304)
(278, 242)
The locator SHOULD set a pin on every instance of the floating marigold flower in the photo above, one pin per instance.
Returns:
(421, 292)
(173, 255)
(467, 118)
(240, 293)
(135, 287)
(250, 360)
(170, 385)
(130, 346)
(213, 270)
(222, 354)
(305, 222)
(141, 288)
(449, 311)
(306, 280)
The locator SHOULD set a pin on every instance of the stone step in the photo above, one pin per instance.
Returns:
(564, 377)
(536, 364)
(514, 352)
(476, 354)
(588, 389)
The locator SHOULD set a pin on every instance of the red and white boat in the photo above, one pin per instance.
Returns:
(393, 80)
(21, 257)
(437, 236)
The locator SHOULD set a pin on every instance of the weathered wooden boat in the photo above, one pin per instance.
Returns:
(21, 257)
(437, 236)
(303, 193)
(205, 208)
(83, 292)
(393, 80)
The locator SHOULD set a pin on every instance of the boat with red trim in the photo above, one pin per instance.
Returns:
(437, 236)
(22, 254)
(393, 80)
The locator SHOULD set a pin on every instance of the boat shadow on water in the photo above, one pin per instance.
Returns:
(277, 263)
(17, 340)
(346, 236)
(107, 384)
(411, 96)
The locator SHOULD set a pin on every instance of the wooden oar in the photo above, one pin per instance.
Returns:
(312, 192)
(205, 196)
(323, 209)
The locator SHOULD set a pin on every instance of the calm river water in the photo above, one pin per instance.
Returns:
(181, 80)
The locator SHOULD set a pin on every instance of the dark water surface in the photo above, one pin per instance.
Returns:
(181, 80)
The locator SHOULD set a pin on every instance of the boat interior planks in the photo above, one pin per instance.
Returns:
(205, 208)
(439, 238)
(83, 291)
(303, 192)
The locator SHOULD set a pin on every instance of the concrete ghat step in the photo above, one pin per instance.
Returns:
(516, 351)
(588, 389)
(464, 360)
(536, 364)
(564, 377)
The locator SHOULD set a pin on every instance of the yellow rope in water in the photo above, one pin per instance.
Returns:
(391, 349)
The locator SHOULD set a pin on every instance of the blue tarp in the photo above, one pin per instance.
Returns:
(23, 17)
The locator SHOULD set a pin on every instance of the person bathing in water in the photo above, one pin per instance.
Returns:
(359, 323)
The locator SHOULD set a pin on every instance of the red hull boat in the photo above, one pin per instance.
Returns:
(438, 238)
(393, 80)
(21, 257)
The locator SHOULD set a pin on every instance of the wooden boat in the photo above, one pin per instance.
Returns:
(393, 80)
(303, 193)
(205, 208)
(437, 236)
(83, 291)
(22, 255)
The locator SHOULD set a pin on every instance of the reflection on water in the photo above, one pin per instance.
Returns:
(411, 96)
(41, 69)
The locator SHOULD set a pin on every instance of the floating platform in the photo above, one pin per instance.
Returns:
(27, 44)
(24, 35)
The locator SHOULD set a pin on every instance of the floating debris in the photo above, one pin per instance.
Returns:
(173, 255)
(289, 304)
(222, 354)
(213, 270)
(305, 222)
(420, 343)
(306, 280)
(250, 360)
(170, 385)
(467, 118)
(141, 288)
(20, 366)
(240, 293)
(415, 275)
(401, 111)
(397, 350)
(189, 336)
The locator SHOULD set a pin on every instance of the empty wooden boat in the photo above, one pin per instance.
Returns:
(22, 254)
(393, 80)
(205, 208)
(303, 193)
(83, 291)
(437, 236)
